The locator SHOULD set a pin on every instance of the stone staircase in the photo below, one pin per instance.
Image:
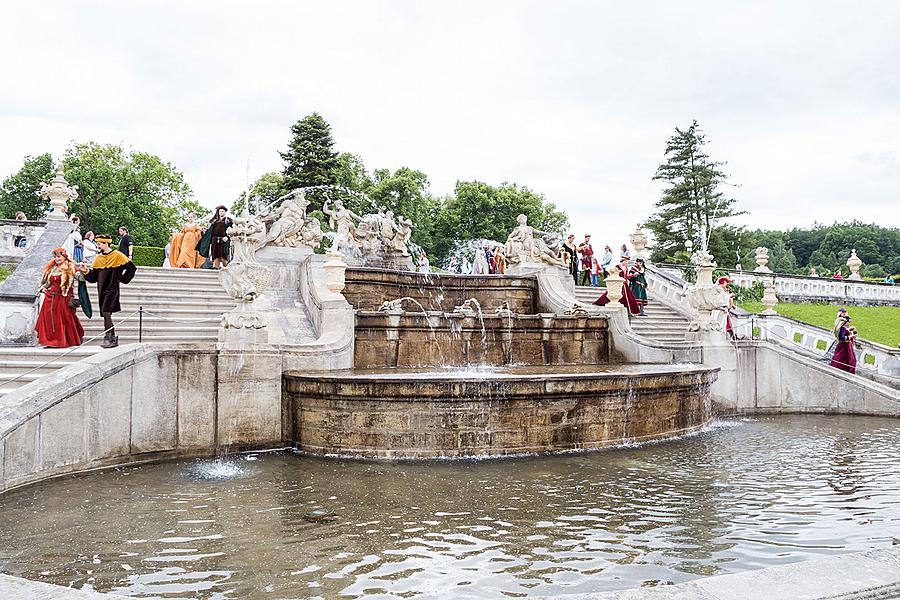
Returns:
(661, 323)
(174, 303)
(173, 300)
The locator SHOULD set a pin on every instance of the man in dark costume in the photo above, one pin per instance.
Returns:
(109, 269)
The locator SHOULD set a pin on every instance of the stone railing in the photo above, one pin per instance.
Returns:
(800, 288)
(668, 287)
(12, 233)
(883, 362)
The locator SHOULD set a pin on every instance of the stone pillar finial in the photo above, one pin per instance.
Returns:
(769, 299)
(58, 192)
(639, 242)
(854, 263)
(335, 269)
(614, 285)
(705, 296)
(762, 260)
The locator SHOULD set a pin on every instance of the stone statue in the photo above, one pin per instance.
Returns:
(342, 220)
(401, 238)
(244, 278)
(522, 247)
(291, 226)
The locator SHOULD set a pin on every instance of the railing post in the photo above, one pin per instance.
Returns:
(140, 324)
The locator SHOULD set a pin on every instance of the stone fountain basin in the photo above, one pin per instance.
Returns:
(493, 411)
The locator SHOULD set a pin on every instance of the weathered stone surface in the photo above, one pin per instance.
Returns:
(249, 399)
(153, 405)
(22, 452)
(196, 400)
(109, 416)
(367, 289)
(388, 415)
(62, 436)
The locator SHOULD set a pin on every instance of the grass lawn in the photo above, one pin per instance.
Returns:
(875, 323)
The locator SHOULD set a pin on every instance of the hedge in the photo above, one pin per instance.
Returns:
(149, 256)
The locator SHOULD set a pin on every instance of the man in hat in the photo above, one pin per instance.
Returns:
(109, 269)
(587, 254)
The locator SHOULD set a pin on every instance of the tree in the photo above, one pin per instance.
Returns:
(310, 158)
(119, 187)
(692, 204)
(20, 191)
(480, 210)
(264, 192)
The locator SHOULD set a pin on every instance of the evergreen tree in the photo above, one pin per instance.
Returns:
(692, 204)
(20, 191)
(310, 158)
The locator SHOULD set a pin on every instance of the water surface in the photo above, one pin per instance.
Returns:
(741, 495)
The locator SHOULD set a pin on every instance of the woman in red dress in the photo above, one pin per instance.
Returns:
(845, 353)
(57, 325)
(627, 298)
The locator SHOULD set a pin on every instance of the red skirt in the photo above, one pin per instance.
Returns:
(844, 357)
(627, 299)
(57, 325)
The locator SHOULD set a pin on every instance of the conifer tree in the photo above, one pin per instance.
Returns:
(692, 203)
(310, 158)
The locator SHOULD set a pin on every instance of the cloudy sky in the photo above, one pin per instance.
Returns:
(573, 99)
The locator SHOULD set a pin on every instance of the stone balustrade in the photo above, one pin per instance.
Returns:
(667, 287)
(795, 288)
(876, 359)
(11, 233)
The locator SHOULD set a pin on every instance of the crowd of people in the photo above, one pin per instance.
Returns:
(488, 260)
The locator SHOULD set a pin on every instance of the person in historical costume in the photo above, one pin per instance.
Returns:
(424, 265)
(89, 248)
(627, 299)
(183, 246)
(571, 256)
(57, 324)
(637, 281)
(73, 243)
(109, 269)
(500, 261)
(480, 264)
(723, 282)
(845, 351)
(219, 244)
(587, 253)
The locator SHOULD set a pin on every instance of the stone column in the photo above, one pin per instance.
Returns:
(854, 263)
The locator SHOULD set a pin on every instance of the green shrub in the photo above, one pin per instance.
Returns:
(4, 273)
(149, 256)
(742, 295)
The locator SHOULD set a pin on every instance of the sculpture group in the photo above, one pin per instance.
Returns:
(376, 240)
(522, 247)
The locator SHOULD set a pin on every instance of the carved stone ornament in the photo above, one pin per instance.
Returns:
(522, 247)
(706, 296)
(854, 263)
(289, 225)
(58, 192)
(577, 310)
(244, 279)
(762, 259)
(639, 242)
(769, 299)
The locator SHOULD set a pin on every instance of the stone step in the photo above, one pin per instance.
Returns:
(34, 365)
(163, 339)
(162, 287)
(172, 329)
(159, 304)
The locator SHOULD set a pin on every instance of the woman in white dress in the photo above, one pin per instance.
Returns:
(90, 249)
(424, 265)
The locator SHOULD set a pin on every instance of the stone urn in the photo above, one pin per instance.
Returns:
(705, 296)
(813, 272)
(614, 285)
(762, 260)
(58, 192)
(335, 269)
(639, 242)
(769, 299)
(854, 263)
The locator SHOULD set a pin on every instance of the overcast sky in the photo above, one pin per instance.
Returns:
(573, 99)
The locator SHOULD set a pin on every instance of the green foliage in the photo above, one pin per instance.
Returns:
(4, 273)
(264, 192)
(879, 324)
(119, 187)
(480, 210)
(149, 256)
(310, 158)
(874, 271)
(743, 295)
(20, 191)
(692, 205)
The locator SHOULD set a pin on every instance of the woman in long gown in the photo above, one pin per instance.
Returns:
(845, 353)
(723, 282)
(57, 325)
(627, 299)
(219, 244)
(637, 282)
(183, 250)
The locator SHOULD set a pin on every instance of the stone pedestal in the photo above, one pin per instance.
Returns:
(249, 398)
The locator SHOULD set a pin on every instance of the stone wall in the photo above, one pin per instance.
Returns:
(416, 417)
(409, 339)
(138, 403)
(367, 289)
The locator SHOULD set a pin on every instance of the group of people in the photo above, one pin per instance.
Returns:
(584, 265)
(63, 290)
(486, 261)
(193, 245)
